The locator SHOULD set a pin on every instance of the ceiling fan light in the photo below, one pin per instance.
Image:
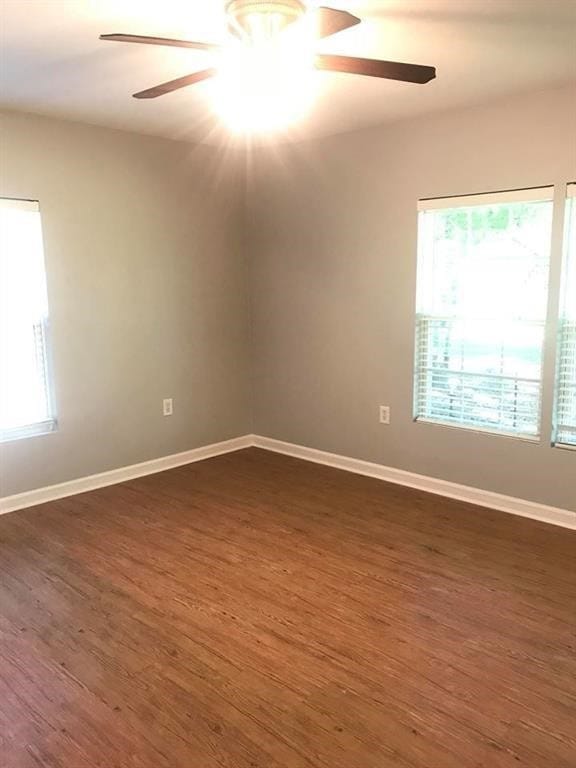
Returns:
(261, 20)
(261, 89)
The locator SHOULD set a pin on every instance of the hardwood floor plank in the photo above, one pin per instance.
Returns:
(257, 611)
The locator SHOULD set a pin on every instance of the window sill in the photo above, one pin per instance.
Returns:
(564, 446)
(28, 430)
(479, 430)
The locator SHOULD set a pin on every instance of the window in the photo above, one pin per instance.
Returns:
(481, 310)
(25, 402)
(565, 410)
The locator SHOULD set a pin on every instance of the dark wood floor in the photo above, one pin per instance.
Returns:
(256, 611)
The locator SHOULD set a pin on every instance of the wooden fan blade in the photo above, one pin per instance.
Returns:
(330, 20)
(174, 85)
(391, 70)
(121, 38)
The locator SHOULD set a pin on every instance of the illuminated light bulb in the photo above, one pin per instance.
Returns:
(270, 82)
(262, 19)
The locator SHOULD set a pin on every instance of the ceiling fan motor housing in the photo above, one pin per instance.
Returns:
(274, 15)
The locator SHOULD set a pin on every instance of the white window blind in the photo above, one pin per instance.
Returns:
(483, 268)
(565, 410)
(25, 402)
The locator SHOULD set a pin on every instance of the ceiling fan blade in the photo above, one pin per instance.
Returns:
(174, 85)
(121, 38)
(391, 70)
(330, 20)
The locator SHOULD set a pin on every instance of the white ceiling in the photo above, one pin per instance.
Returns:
(53, 63)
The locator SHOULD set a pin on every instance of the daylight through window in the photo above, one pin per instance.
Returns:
(565, 411)
(25, 402)
(481, 310)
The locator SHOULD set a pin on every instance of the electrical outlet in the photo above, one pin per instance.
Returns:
(167, 409)
(384, 414)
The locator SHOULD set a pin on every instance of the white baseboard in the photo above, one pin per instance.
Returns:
(510, 504)
(90, 483)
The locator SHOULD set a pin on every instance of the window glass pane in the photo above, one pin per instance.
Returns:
(565, 411)
(24, 386)
(482, 299)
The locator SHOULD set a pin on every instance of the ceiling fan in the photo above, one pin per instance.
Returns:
(256, 22)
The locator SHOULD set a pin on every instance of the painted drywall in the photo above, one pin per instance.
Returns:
(332, 233)
(147, 294)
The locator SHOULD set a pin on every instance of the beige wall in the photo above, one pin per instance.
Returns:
(147, 293)
(332, 242)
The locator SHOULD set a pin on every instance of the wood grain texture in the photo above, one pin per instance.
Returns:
(175, 85)
(120, 37)
(390, 70)
(330, 21)
(257, 611)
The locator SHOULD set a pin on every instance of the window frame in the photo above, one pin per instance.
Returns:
(49, 425)
(543, 193)
(568, 200)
